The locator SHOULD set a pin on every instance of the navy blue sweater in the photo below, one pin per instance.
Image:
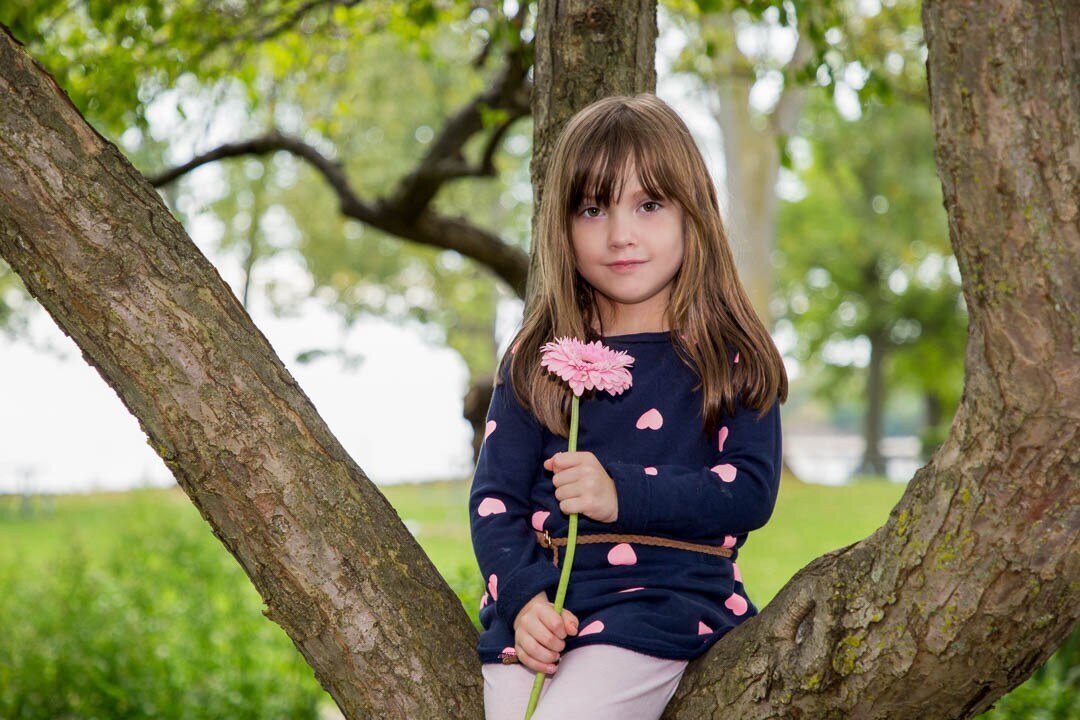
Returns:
(672, 481)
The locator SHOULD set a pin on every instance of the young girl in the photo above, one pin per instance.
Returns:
(670, 475)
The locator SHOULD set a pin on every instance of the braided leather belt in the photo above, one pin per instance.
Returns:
(545, 540)
(508, 656)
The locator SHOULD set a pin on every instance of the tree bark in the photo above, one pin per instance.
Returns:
(967, 588)
(972, 582)
(585, 50)
(339, 571)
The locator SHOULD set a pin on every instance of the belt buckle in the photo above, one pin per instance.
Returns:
(545, 541)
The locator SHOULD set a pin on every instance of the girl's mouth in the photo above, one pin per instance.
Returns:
(628, 266)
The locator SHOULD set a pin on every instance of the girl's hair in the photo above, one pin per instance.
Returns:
(707, 302)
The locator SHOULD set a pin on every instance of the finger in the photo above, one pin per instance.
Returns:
(573, 459)
(566, 459)
(565, 492)
(564, 474)
(553, 622)
(542, 634)
(537, 650)
(532, 663)
(572, 502)
(566, 477)
(525, 659)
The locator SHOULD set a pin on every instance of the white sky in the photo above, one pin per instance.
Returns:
(62, 429)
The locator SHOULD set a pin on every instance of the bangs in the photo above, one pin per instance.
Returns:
(600, 168)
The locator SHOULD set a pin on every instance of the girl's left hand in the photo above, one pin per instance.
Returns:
(583, 486)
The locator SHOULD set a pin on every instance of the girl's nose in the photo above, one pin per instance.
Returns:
(620, 236)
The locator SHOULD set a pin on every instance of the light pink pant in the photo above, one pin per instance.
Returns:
(599, 682)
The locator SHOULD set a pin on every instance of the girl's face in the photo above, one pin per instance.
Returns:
(638, 228)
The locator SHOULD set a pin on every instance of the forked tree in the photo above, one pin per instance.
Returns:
(970, 584)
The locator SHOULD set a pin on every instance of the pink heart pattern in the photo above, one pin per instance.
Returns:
(736, 603)
(622, 554)
(538, 519)
(725, 471)
(490, 506)
(650, 419)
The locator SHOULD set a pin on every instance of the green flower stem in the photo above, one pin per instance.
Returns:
(568, 560)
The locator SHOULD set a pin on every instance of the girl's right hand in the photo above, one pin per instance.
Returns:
(539, 633)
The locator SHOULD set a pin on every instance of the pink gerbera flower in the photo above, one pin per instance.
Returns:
(585, 366)
(582, 366)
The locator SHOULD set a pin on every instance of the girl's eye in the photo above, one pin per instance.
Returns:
(585, 210)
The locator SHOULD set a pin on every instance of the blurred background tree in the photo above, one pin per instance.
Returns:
(320, 85)
(367, 85)
(361, 143)
(864, 259)
(796, 183)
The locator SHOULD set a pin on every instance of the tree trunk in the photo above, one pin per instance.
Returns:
(969, 586)
(934, 431)
(872, 461)
(339, 571)
(971, 583)
(752, 153)
(932, 406)
(585, 50)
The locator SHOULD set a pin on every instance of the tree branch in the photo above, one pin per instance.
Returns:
(339, 571)
(955, 600)
(267, 27)
(405, 212)
(443, 161)
(427, 228)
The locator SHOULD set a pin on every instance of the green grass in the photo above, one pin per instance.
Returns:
(437, 513)
(43, 528)
(125, 605)
(809, 520)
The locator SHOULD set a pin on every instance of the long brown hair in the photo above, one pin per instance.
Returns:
(708, 302)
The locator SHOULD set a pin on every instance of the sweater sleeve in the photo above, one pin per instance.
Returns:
(734, 494)
(514, 566)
